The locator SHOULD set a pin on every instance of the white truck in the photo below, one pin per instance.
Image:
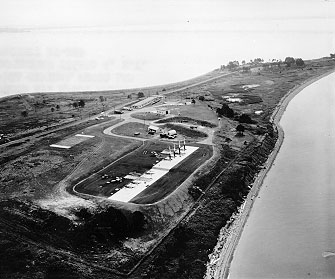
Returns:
(171, 134)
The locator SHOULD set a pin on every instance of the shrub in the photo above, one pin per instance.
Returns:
(244, 118)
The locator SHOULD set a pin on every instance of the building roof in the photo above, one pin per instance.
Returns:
(146, 100)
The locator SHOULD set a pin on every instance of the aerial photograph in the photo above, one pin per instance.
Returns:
(175, 139)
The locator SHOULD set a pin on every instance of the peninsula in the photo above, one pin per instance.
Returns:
(150, 182)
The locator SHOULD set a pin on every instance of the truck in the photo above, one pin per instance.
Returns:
(127, 108)
(171, 134)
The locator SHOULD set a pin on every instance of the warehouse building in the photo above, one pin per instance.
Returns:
(146, 102)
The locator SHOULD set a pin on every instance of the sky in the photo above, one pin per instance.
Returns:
(184, 15)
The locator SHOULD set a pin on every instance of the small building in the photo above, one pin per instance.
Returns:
(153, 129)
(163, 112)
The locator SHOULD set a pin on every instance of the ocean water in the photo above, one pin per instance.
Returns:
(43, 60)
(291, 229)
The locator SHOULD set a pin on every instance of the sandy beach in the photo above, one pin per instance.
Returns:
(222, 255)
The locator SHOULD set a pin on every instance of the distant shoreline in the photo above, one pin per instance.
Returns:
(149, 89)
(237, 226)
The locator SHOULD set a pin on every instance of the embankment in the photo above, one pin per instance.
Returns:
(222, 255)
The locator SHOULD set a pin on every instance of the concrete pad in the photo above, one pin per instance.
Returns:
(60, 146)
(86, 136)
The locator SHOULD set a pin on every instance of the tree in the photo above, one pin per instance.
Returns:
(243, 62)
(289, 61)
(24, 113)
(244, 118)
(246, 69)
(240, 129)
(58, 107)
(193, 101)
(299, 62)
(201, 98)
(129, 96)
(138, 221)
(52, 109)
(140, 95)
(258, 60)
(225, 110)
(81, 103)
(232, 65)
(75, 104)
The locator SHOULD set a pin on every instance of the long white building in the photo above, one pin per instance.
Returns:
(147, 101)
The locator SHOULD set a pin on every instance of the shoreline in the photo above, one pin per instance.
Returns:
(230, 234)
(172, 86)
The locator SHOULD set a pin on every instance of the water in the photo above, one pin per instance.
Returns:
(291, 229)
(103, 58)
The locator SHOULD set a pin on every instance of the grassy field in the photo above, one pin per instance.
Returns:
(185, 132)
(189, 120)
(147, 116)
(129, 129)
(198, 111)
(37, 168)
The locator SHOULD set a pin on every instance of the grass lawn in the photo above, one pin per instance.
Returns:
(186, 132)
(198, 111)
(128, 129)
(147, 116)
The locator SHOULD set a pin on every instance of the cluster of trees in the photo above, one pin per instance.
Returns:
(226, 111)
(79, 104)
(240, 129)
(109, 224)
(289, 61)
(256, 61)
(232, 65)
(245, 118)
